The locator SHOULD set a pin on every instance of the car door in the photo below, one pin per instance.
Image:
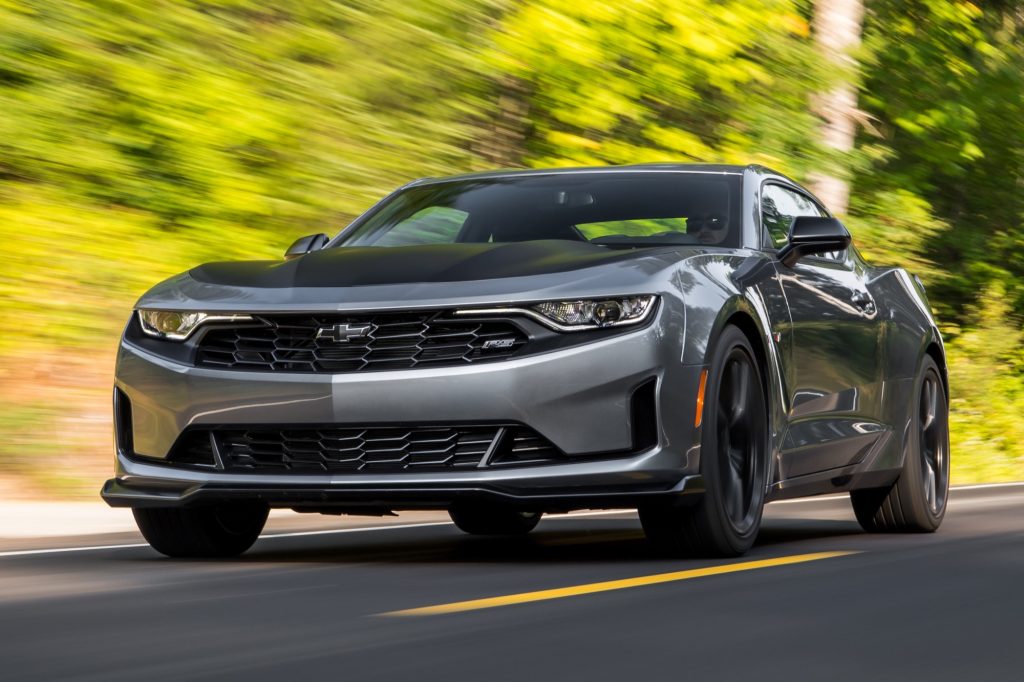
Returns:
(833, 368)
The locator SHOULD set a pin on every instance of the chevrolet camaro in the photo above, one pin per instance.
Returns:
(691, 341)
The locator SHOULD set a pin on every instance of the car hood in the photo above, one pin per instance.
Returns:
(417, 275)
(369, 265)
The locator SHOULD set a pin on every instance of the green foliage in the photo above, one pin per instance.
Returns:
(137, 139)
(668, 80)
(986, 362)
(140, 138)
(945, 88)
(896, 227)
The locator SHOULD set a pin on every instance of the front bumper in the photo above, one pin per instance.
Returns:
(372, 499)
(578, 398)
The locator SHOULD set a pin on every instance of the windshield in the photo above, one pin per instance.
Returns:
(608, 208)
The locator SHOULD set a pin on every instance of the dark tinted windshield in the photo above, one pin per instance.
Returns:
(612, 208)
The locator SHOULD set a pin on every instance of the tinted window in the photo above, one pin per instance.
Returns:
(778, 208)
(433, 225)
(659, 207)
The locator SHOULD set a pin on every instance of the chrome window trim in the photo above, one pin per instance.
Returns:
(568, 171)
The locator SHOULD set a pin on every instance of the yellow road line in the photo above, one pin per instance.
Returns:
(607, 586)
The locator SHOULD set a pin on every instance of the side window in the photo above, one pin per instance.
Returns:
(778, 208)
(432, 225)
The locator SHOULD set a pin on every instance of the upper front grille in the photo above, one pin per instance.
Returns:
(352, 343)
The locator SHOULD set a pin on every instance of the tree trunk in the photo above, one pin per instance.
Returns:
(501, 144)
(837, 33)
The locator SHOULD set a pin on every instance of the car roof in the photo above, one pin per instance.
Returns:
(710, 168)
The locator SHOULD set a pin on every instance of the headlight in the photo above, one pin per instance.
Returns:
(177, 325)
(596, 313)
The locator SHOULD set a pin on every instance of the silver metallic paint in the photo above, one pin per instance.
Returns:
(834, 425)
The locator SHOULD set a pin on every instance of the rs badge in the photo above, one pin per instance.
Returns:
(496, 344)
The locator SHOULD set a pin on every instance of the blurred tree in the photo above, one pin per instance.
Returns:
(139, 138)
(214, 128)
(837, 32)
(944, 85)
(662, 80)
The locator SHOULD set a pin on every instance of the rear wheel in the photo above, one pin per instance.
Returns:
(220, 531)
(486, 519)
(917, 501)
(734, 461)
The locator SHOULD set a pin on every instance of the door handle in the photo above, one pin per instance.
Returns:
(863, 301)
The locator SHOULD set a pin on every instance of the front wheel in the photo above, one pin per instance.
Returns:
(485, 519)
(916, 503)
(203, 532)
(734, 461)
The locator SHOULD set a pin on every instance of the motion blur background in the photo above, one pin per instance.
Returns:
(139, 138)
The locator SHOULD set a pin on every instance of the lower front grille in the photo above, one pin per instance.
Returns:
(521, 445)
(369, 450)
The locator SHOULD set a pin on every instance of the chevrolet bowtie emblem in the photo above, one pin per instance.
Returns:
(343, 333)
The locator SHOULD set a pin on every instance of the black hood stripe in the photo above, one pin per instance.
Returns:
(369, 266)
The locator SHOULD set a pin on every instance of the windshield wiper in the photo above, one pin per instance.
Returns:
(623, 241)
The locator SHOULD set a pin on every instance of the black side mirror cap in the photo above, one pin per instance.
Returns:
(303, 245)
(809, 235)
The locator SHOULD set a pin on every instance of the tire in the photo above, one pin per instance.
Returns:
(916, 502)
(486, 519)
(733, 462)
(202, 532)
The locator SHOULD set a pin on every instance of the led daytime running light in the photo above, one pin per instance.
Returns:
(596, 313)
(175, 325)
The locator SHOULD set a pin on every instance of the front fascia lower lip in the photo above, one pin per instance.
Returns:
(548, 322)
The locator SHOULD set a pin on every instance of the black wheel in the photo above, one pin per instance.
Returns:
(487, 519)
(917, 501)
(222, 531)
(734, 461)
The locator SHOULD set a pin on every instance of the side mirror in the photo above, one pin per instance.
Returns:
(303, 245)
(809, 235)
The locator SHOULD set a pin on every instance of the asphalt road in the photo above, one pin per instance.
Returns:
(815, 599)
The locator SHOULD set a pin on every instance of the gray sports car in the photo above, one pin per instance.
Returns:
(688, 340)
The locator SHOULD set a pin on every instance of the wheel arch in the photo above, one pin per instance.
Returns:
(901, 412)
(745, 322)
(741, 313)
(935, 350)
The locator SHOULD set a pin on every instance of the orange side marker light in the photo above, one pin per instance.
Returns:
(700, 398)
